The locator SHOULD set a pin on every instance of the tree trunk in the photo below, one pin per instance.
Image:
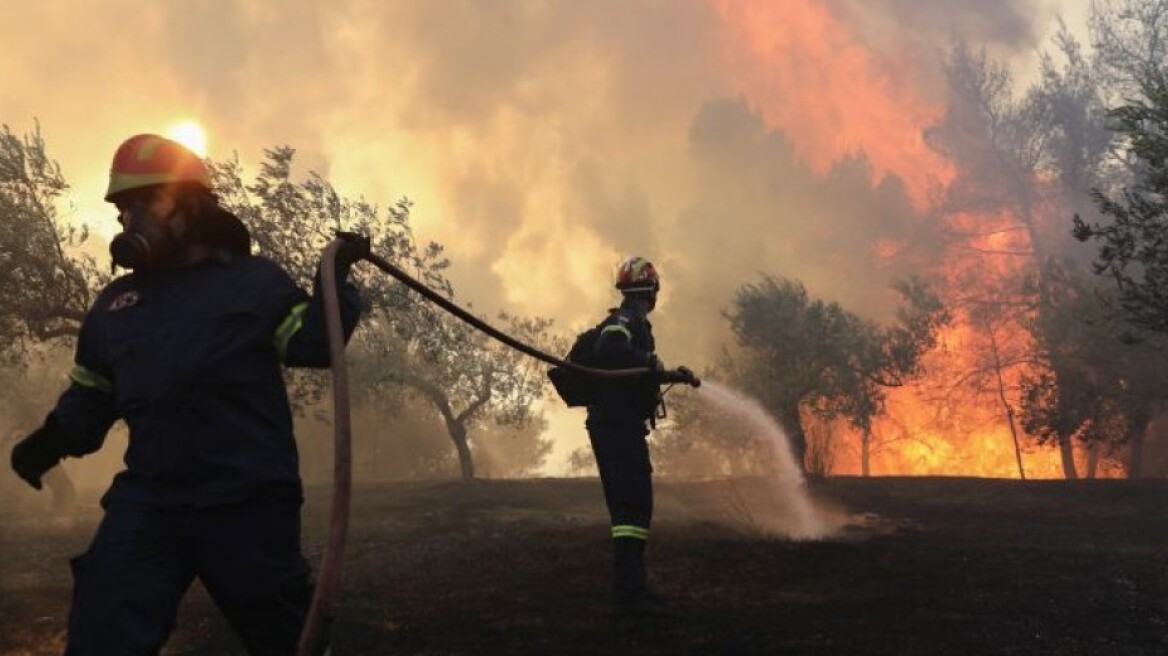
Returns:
(1067, 451)
(792, 423)
(1092, 460)
(1135, 464)
(866, 452)
(455, 424)
(1004, 400)
(1017, 442)
(1139, 423)
(465, 462)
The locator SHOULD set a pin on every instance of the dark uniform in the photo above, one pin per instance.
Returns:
(617, 429)
(191, 359)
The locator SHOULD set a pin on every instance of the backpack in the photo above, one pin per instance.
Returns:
(575, 388)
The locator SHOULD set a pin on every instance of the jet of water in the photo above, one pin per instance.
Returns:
(792, 487)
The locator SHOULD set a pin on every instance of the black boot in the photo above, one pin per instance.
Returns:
(631, 595)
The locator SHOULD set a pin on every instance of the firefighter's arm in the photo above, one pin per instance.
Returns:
(615, 348)
(78, 424)
(302, 338)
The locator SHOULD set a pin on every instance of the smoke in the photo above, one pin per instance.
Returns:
(544, 141)
(541, 141)
(1006, 24)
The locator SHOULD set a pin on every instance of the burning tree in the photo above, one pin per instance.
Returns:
(1132, 252)
(1021, 162)
(800, 354)
(1114, 387)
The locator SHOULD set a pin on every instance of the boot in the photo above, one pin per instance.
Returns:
(631, 595)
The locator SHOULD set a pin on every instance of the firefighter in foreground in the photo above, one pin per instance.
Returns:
(187, 349)
(618, 423)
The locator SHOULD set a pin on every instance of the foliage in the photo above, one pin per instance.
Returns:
(406, 347)
(1108, 388)
(292, 221)
(466, 376)
(48, 285)
(797, 352)
(1128, 37)
(1133, 246)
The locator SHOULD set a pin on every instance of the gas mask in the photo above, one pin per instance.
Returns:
(146, 241)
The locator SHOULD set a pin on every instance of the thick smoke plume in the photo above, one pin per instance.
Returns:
(542, 142)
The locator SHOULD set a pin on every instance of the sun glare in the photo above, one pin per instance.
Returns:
(190, 134)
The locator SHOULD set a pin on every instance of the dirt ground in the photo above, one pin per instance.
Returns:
(915, 566)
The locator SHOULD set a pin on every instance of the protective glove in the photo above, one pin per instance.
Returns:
(686, 376)
(355, 248)
(37, 454)
(682, 375)
(657, 367)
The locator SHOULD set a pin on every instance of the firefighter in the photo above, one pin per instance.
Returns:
(187, 349)
(617, 428)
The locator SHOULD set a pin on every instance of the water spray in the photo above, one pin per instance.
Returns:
(809, 524)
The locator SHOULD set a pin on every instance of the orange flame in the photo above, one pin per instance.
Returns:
(809, 75)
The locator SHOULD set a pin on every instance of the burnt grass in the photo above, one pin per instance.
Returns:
(920, 566)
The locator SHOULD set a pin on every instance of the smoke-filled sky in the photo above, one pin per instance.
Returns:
(544, 140)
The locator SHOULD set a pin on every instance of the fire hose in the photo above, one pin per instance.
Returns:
(313, 638)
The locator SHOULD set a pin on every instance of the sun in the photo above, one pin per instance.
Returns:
(190, 134)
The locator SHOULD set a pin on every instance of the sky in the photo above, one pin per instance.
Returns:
(542, 141)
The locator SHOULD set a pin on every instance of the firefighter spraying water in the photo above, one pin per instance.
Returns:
(618, 411)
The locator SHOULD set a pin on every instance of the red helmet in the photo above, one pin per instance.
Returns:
(636, 274)
(144, 160)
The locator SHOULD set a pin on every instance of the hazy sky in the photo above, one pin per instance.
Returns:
(544, 140)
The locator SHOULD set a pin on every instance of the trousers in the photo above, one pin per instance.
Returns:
(129, 583)
(622, 457)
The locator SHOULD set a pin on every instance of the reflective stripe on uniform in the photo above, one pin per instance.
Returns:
(617, 328)
(289, 326)
(630, 531)
(87, 378)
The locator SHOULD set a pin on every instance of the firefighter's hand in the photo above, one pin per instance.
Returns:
(36, 454)
(658, 368)
(686, 376)
(353, 250)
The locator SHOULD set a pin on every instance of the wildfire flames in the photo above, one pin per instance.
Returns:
(809, 76)
(808, 73)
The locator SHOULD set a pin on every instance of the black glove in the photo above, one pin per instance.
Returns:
(682, 375)
(37, 453)
(686, 376)
(657, 367)
(355, 248)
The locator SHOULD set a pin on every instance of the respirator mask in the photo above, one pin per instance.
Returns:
(146, 241)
